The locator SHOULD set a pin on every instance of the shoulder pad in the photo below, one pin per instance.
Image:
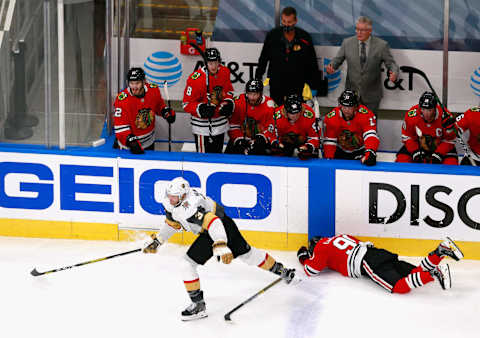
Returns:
(331, 114)
(195, 75)
(122, 96)
(308, 114)
(412, 113)
(362, 110)
(153, 85)
(475, 109)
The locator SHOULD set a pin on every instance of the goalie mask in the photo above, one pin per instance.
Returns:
(178, 187)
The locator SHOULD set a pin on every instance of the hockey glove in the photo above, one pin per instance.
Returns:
(151, 246)
(221, 250)
(305, 151)
(448, 121)
(134, 145)
(168, 114)
(418, 156)
(259, 145)
(226, 108)
(369, 158)
(277, 147)
(303, 254)
(206, 110)
(437, 158)
(241, 146)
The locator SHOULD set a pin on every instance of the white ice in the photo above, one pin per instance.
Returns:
(142, 295)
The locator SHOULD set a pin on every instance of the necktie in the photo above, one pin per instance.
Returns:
(363, 54)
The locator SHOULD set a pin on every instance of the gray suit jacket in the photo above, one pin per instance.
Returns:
(367, 82)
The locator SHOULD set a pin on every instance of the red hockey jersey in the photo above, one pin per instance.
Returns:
(303, 131)
(431, 137)
(355, 134)
(134, 115)
(470, 120)
(248, 121)
(342, 253)
(195, 93)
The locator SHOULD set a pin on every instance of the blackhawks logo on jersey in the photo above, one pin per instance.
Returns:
(362, 110)
(217, 95)
(348, 140)
(428, 143)
(475, 109)
(308, 114)
(412, 113)
(291, 141)
(122, 96)
(153, 85)
(195, 75)
(251, 128)
(144, 118)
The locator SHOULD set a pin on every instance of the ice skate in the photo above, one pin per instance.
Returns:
(195, 311)
(442, 273)
(450, 249)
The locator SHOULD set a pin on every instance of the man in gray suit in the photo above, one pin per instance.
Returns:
(364, 54)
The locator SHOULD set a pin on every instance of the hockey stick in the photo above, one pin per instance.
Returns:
(202, 54)
(227, 316)
(165, 87)
(466, 148)
(316, 109)
(35, 273)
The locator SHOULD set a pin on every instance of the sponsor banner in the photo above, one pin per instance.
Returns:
(129, 192)
(162, 61)
(407, 205)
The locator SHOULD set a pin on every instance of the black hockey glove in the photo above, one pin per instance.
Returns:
(259, 145)
(241, 146)
(134, 145)
(303, 254)
(277, 147)
(448, 121)
(369, 158)
(226, 108)
(206, 110)
(168, 114)
(306, 151)
(418, 156)
(437, 158)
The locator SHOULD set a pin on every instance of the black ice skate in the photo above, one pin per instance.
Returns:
(442, 273)
(450, 249)
(195, 311)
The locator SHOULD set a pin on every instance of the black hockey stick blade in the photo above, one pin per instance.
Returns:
(34, 272)
(409, 69)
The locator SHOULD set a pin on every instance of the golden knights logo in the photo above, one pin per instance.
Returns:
(348, 140)
(144, 118)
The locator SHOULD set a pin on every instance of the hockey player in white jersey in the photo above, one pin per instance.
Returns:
(187, 209)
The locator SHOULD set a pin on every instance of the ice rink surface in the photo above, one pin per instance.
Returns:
(142, 295)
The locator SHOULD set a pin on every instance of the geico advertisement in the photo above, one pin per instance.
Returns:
(130, 192)
(410, 205)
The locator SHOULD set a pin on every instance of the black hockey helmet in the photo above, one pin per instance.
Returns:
(136, 74)
(254, 85)
(348, 98)
(427, 101)
(293, 104)
(212, 54)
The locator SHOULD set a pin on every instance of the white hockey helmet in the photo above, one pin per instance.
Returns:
(178, 187)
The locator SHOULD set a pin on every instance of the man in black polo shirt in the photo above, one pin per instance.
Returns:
(292, 58)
